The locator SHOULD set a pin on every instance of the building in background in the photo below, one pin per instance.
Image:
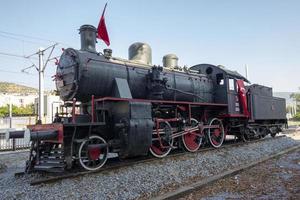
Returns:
(19, 100)
(17, 95)
(51, 106)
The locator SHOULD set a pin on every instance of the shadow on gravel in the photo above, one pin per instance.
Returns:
(3, 168)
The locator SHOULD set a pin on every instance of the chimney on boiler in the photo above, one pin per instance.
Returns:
(88, 35)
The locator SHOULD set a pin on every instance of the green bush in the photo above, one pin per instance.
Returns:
(297, 117)
(17, 111)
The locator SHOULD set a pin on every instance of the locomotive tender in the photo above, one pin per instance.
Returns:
(132, 107)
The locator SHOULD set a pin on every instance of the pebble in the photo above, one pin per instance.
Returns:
(141, 180)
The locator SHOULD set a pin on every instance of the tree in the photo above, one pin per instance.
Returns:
(17, 111)
(296, 98)
(297, 117)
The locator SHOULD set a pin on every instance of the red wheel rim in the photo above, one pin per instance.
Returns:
(158, 150)
(94, 153)
(214, 141)
(162, 144)
(216, 135)
(191, 141)
(217, 132)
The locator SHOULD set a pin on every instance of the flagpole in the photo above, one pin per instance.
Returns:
(101, 30)
(104, 10)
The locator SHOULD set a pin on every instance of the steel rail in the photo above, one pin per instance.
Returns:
(131, 162)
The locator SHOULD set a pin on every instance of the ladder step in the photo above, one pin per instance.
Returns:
(46, 166)
(52, 154)
(52, 161)
(49, 168)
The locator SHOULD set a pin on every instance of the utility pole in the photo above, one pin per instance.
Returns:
(41, 86)
(246, 72)
(41, 70)
(10, 113)
(10, 124)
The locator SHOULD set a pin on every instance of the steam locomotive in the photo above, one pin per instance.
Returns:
(133, 108)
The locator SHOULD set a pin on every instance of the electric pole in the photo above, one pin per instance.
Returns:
(246, 72)
(10, 113)
(41, 86)
(41, 69)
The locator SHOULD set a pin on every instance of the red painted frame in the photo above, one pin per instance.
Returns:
(55, 126)
(161, 101)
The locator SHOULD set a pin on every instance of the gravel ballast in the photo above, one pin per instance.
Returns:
(274, 179)
(139, 181)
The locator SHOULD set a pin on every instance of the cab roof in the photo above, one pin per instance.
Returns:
(206, 68)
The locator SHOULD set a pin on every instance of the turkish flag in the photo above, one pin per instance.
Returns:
(101, 30)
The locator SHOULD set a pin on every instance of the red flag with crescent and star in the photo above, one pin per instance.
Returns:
(101, 30)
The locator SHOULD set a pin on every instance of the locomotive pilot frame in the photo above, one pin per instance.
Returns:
(133, 108)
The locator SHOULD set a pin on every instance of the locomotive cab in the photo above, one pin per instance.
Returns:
(225, 83)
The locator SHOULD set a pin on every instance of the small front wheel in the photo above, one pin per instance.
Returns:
(93, 153)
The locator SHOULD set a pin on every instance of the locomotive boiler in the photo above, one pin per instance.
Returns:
(131, 108)
(83, 73)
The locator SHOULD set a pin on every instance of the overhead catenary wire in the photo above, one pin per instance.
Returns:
(22, 73)
(43, 50)
(32, 37)
(15, 72)
(20, 37)
(25, 57)
(24, 69)
(21, 40)
(7, 34)
(13, 55)
(48, 59)
(29, 84)
(41, 70)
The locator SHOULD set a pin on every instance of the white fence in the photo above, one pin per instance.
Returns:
(12, 144)
(17, 123)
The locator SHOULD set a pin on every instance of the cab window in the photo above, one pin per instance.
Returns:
(220, 79)
(231, 84)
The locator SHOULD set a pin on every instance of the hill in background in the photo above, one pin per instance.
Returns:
(13, 88)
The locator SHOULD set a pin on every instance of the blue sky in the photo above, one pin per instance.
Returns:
(264, 35)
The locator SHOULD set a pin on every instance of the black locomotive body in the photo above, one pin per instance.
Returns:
(131, 107)
(81, 74)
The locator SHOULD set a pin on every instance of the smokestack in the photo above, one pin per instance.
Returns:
(88, 35)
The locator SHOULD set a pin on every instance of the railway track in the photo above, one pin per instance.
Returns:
(113, 164)
(187, 189)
